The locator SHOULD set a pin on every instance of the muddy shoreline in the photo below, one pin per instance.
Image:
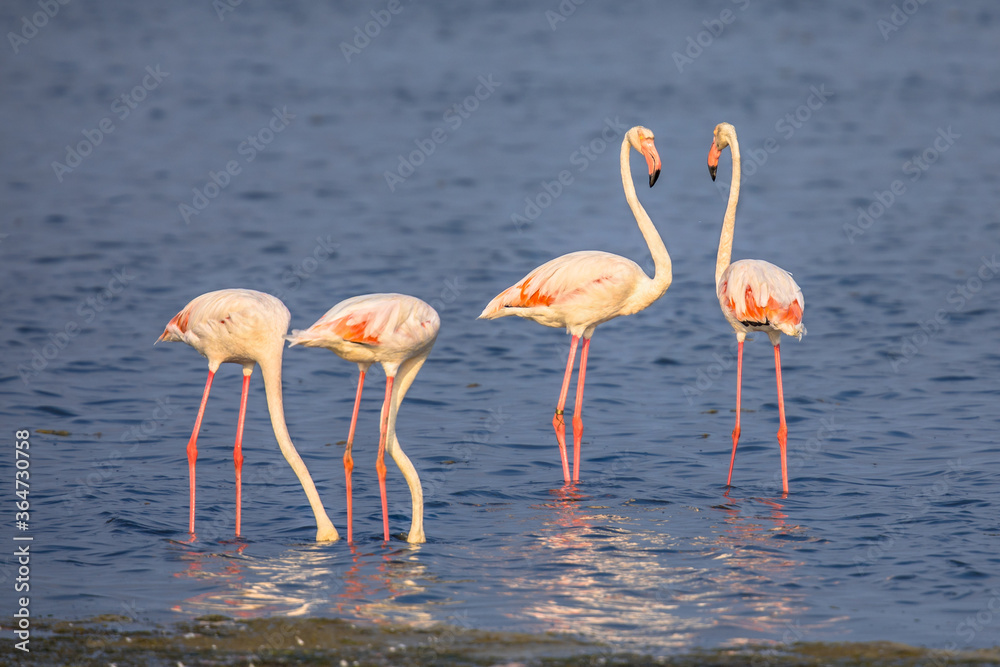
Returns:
(219, 640)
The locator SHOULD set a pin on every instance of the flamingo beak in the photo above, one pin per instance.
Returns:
(713, 159)
(652, 160)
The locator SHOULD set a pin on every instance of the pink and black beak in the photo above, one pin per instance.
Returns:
(713, 159)
(652, 160)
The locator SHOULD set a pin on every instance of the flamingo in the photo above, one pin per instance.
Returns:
(582, 289)
(245, 327)
(397, 331)
(755, 295)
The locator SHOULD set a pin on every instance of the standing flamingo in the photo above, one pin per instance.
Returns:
(397, 331)
(247, 328)
(580, 290)
(755, 295)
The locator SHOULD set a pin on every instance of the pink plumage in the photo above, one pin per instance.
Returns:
(758, 296)
(245, 327)
(754, 295)
(583, 289)
(577, 291)
(397, 331)
(373, 328)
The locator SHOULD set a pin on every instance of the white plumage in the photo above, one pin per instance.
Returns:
(583, 289)
(754, 295)
(397, 331)
(245, 327)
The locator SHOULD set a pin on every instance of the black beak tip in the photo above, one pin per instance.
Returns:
(652, 177)
(711, 171)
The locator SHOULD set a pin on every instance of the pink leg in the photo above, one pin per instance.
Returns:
(238, 451)
(558, 423)
(739, 388)
(578, 409)
(380, 462)
(349, 461)
(192, 448)
(782, 428)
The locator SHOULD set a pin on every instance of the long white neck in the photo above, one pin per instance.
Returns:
(404, 378)
(271, 370)
(663, 276)
(729, 222)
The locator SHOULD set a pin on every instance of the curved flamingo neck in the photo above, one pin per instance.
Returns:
(271, 371)
(270, 368)
(654, 288)
(729, 221)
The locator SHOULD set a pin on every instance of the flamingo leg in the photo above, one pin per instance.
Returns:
(558, 423)
(736, 430)
(578, 409)
(380, 462)
(782, 428)
(192, 448)
(238, 450)
(348, 460)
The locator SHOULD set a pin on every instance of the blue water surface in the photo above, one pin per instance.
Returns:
(319, 151)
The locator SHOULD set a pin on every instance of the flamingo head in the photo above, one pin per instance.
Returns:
(641, 139)
(719, 141)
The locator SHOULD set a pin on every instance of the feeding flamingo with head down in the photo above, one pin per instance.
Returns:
(245, 327)
(397, 331)
(580, 290)
(755, 295)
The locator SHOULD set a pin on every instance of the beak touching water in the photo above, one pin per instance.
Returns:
(652, 160)
(713, 159)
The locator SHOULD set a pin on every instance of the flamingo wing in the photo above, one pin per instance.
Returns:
(382, 320)
(758, 294)
(228, 311)
(232, 314)
(588, 279)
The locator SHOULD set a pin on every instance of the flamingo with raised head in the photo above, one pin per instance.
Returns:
(245, 327)
(397, 331)
(755, 295)
(580, 290)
